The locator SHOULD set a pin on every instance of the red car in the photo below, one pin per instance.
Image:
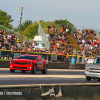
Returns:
(31, 63)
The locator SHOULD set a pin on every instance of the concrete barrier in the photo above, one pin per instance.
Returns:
(51, 65)
(44, 92)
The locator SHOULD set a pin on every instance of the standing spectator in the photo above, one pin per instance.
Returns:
(47, 35)
(54, 47)
(61, 30)
(67, 56)
(53, 29)
(75, 35)
(67, 29)
(48, 28)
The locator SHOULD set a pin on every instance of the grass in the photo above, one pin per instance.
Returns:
(6, 59)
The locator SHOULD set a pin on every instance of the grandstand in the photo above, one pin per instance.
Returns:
(83, 40)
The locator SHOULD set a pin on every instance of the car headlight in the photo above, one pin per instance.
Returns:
(87, 69)
(86, 65)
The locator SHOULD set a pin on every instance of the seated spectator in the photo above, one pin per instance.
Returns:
(15, 49)
(1, 38)
(3, 32)
(56, 31)
(57, 44)
(82, 47)
(79, 41)
(18, 45)
(60, 36)
(63, 39)
(51, 36)
(57, 37)
(0, 45)
(8, 37)
(83, 41)
(83, 35)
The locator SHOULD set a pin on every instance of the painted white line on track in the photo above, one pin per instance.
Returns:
(42, 76)
(52, 69)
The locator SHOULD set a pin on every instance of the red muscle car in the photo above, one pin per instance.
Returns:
(27, 62)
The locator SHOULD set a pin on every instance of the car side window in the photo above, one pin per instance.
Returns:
(38, 58)
(98, 61)
(35, 58)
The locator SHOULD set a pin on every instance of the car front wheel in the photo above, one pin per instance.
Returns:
(12, 70)
(34, 70)
(45, 70)
(88, 78)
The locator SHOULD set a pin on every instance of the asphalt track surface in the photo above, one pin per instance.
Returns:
(53, 76)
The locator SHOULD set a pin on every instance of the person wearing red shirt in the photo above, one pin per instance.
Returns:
(55, 47)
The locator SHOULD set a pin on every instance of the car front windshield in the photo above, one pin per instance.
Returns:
(28, 57)
(97, 61)
(40, 44)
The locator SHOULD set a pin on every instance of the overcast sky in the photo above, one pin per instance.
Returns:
(83, 13)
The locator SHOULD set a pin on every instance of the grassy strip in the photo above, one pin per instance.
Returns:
(6, 59)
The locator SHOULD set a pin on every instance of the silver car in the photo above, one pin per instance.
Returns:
(92, 71)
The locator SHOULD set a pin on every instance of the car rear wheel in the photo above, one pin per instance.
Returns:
(45, 70)
(34, 70)
(88, 78)
(12, 70)
(23, 71)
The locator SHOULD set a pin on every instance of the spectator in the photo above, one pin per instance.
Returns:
(67, 56)
(47, 35)
(48, 28)
(67, 28)
(54, 47)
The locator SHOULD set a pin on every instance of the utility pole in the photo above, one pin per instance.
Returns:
(20, 22)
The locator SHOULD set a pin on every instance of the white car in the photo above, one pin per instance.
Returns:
(39, 45)
(92, 71)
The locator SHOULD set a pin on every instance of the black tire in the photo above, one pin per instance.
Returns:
(45, 70)
(23, 71)
(88, 78)
(12, 70)
(34, 69)
(98, 79)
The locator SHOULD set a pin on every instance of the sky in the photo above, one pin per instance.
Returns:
(81, 13)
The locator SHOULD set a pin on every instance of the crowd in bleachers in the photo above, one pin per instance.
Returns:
(59, 41)
(87, 41)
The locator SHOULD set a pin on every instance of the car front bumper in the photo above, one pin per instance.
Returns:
(94, 75)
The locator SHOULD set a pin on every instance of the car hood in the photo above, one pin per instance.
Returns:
(22, 60)
(93, 65)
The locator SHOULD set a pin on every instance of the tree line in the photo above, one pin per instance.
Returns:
(29, 28)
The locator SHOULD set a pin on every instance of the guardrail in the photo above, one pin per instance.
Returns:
(7, 54)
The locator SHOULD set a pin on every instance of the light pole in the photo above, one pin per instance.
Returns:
(20, 21)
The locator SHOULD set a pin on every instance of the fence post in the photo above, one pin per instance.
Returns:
(78, 58)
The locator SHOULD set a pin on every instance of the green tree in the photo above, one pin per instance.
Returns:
(5, 19)
(65, 22)
(24, 25)
(31, 30)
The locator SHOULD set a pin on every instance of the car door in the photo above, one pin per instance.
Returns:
(39, 62)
